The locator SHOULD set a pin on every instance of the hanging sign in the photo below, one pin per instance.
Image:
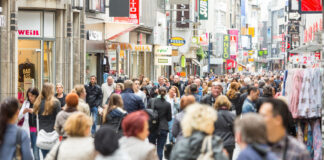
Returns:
(163, 50)
(183, 16)
(177, 41)
(203, 9)
(163, 61)
(183, 61)
(226, 47)
(251, 60)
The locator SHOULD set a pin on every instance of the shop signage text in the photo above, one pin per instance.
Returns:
(177, 41)
(163, 50)
(203, 9)
(183, 16)
(94, 35)
(226, 47)
(133, 13)
(28, 32)
(132, 47)
(164, 61)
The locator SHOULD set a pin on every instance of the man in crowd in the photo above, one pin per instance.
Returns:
(107, 89)
(178, 84)
(252, 138)
(60, 95)
(200, 89)
(194, 91)
(276, 115)
(249, 104)
(137, 91)
(210, 98)
(246, 82)
(131, 101)
(94, 99)
(155, 89)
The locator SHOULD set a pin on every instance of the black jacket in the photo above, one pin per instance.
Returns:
(131, 101)
(164, 110)
(208, 99)
(94, 95)
(189, 148)
(240, 104)
(114, 120)
(235, 101)
(180, 86)
(152, 92)
(224, 127)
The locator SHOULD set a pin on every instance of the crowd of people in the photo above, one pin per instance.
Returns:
(175, 118)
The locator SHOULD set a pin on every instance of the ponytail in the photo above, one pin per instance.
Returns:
(8, 108)
(162, 92)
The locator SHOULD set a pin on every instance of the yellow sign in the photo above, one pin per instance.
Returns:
(251, 60)
(122, 53)
(240, 68)
(251, 31)
(177, 41)
(183, 74)
(251, 53)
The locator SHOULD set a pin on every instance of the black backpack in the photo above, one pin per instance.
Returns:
(154, 117)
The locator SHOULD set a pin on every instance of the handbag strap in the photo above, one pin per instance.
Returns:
(153, 102)
(207, 143)
(57, 151)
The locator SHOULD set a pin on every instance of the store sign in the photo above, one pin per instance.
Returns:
(163, 61)
(233, 40)
(203, 39)
(177, 41)
(141, 48)
(311, 6)
(163, 50)
(203, 9)
(226, 47)
(183, 16)
(94, 35)
(251, 53)
(251, 59)
(133, 13)
(293, 27)
(29, 24)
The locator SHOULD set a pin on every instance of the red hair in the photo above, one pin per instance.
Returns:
(72, 100)
(133, 123)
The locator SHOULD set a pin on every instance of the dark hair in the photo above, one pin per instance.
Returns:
(34, 91)
(106, 141)
(252, 88)
(193, 88)
(162, 92)
(280, 108)
(133, 123)
(261, 84)
(267, 91)
(8, 108)
(93, 76)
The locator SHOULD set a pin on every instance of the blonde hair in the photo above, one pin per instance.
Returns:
(120, 85)
(78, 89)
(47, 94)
(222, 101)
(176, 91)
(198, 117)
(77, 124)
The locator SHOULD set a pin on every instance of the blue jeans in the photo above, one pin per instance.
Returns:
(159, 140)
(171, 138)
(33, 137)
(94, 114)
(44, 152)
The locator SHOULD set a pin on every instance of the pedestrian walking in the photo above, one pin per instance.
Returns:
(28, 119)
(131, 101)
(94, 99)
(78, 145)
(114, 113)
(46, 108)
(233, 95)
(224, 123)
(136, 129)
(158, 137)
(147, 94)
(72, 101)
(155, 89)
(276, 115)
(107, 89)
(249, 104)
(216, 90)
(252, 138)
(176, 127)
(178, 84)
(137, 90)
(60, 95)
(198, 127)
(106, 143)
(119, 88)
(193, 90)
(14, 142)
(200, 88)
(82, 105)
(173, 97)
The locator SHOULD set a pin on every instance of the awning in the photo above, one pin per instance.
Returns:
(95, 46)
(311, 47)
(121, 32)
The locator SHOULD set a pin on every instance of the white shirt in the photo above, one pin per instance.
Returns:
(107, 91)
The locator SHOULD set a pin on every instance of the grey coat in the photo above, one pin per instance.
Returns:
(138, 149)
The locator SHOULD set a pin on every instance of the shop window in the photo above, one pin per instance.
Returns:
(91, 66)
(48, 54)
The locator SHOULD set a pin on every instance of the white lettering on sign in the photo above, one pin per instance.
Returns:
(203, 8)
(28, 32)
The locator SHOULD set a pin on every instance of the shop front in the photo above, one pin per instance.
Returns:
(36, 49)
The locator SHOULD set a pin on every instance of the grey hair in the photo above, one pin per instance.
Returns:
(59, 84)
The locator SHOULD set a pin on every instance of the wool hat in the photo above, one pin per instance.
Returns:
(106, 141)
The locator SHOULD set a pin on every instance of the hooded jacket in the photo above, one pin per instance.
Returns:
(114, 119)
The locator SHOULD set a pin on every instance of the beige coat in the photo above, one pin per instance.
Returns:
(74, 148)
(138, 149)
(83, 107)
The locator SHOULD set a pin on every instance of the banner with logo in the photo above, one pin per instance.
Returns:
(203, 9)
(183, 16)
(133, 13)
(226, 47)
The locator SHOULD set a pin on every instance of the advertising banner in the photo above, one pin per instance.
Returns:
(183, 16)
(310, 6)
(203, 9)
(119, 8)
(233, 40)
(226, 47)
(133, 13)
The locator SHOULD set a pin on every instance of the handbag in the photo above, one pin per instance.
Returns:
(45, 140)
(206, 152)
(154, 117)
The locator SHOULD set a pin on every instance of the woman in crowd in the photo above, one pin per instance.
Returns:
(147, 93)
(29, 119)
(234, 94)
(176, 128)
(79, 145)
(158, 137)
(82, 105)
(173, 98)
(205, 88)
(60, 95)
(119, 88)
(136, 129)
(72, 101)
(197, 124)
(10, 134)
(106, 143)
(114, 113)
(224, 123)
(46, 108)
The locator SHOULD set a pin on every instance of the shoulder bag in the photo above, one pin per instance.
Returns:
(154, 117)
(45, 140)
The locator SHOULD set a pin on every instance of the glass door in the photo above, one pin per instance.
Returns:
(48, 62)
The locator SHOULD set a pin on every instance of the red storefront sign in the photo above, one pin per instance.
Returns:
(133, 13)
(317, 56)
(28, 32)
(230, 63)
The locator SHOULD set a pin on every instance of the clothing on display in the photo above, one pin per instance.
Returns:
(26, 71)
